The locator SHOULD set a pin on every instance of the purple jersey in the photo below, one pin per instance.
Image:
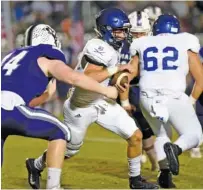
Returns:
(21, 73)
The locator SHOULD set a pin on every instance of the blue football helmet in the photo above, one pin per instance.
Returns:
(112, 19)
(166, 24)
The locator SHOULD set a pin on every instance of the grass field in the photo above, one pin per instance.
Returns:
(101, 164)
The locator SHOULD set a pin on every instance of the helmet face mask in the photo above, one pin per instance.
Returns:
(41, 34)
(112, 25)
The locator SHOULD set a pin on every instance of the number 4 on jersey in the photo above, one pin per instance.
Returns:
(12, 64)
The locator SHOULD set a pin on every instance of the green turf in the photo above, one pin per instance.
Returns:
(98, 165)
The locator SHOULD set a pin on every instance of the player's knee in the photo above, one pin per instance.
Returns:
(136, 138)
(58, 134)
(72, 149)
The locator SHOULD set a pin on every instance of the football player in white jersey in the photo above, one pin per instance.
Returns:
(163, 61)
(100, 60)
(140, 26)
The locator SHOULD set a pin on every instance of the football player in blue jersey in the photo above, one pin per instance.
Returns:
(25, 74)
(140, 27)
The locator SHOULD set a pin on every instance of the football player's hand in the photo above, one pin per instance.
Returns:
(111, 92)
(51, 88)
(122, 88)
(126, 67)
(130, 109)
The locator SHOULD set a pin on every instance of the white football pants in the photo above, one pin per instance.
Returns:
(108, 115)
(177, 110)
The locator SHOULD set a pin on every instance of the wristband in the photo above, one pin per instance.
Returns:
(125, 103)
(193, 100)
(112, 70)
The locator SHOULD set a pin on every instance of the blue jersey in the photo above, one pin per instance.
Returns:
(201, 52)
(21, 73)
(125, 53)
(201, 99)
(125, 58)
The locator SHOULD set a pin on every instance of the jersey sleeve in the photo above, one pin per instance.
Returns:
(134, 50)
(98, 53)
(51, 52)
(193, 42)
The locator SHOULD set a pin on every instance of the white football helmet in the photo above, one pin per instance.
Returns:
(139, 22)
(41, 34)
(153, 13)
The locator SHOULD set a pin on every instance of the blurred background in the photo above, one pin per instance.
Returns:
(74, 23)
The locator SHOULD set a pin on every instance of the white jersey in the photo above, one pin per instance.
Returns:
(164, 60)
(99, 53)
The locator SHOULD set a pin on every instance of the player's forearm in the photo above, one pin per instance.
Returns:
(51, 88)
(124, 98)
(134, 62)
(132, 76)
(196, 69)
(99, 76)
(87, 83)
(64, 73)
(196, 91)
(198, 87)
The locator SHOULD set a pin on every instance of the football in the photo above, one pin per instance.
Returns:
(120, 78)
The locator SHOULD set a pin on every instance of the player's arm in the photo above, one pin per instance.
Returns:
(100, 61)
(98, 73)
(101, 73)
(134, 62)
(48, 93)
(124, 100)
(196, 69)
(124, 96)
(134, 65)
(62, 72)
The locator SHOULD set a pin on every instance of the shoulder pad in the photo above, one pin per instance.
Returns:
(134, 47)
(193, 43)
(51, 52)
(99, 52)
